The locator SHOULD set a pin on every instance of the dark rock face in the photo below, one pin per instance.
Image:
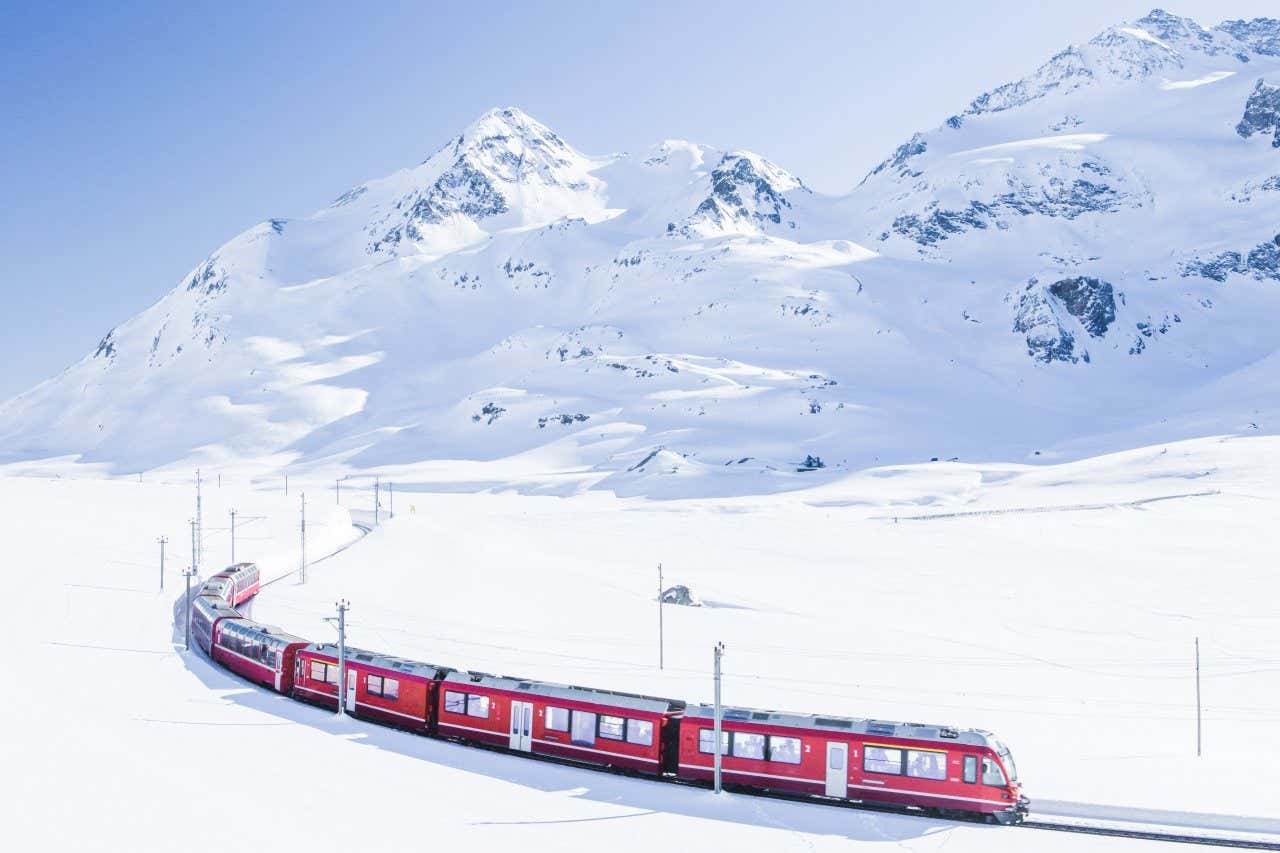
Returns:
(740, 193)
(1047, 340)
(1059, 198)
(1217, 268)
(106, 346)
(811, 463)
(1089, 300)
(1262, 262)
(904, 152)
(209, 279)
(1262, 35)
(563, 420)
(1262, 113)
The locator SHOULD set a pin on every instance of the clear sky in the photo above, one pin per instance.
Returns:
(135, 138)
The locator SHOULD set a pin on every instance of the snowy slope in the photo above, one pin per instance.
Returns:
(1062, 618)
(1080, 261)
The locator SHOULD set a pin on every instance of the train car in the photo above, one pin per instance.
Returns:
(220, 585)
(380, 687)
(245, 582)
(206, 611)
(260, 653)
(941, 769)
(590, 726)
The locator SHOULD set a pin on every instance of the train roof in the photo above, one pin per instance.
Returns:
(215, 604)
(633, 701)
(411, 667)
(846, 725)
(271, 631)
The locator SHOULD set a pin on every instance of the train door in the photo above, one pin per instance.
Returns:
(351, 691)
(837, 769)
(522, 726)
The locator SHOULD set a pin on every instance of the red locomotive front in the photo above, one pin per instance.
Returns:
(941, 769)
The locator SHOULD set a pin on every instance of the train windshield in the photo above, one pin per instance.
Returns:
(1006, 758)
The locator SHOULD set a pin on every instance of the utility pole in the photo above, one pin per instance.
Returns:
(391, 493)
(302, 566)
(162, 540)
(186, 608)
(286, 483)
(718, 715)
(233, 537)
(337, 491)
(1198, 741)
(661, 651)
(199, 547)
(343, 606)
(194, 564)
(376, 486)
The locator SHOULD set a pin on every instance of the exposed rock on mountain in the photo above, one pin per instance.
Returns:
(1262, 113)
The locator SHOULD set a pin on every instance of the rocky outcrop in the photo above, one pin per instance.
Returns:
(1089, 300)
(904, 152)
(1261, 35)
(1047, 339)
(747, 191)
(1064, 198)
(1262, 113)
(1042, 316)
(1262, 262)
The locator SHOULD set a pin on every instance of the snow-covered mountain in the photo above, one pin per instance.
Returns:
(1081, 260)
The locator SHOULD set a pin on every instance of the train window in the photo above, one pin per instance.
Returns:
(706, 737)
(390, 688)
(640, 732)
(271, 658)
(784, 749)
(477, 706)
(971, 769)
(373, 684)
(747, 745)
(583, 728)
(612, 728)
(455, 703)
(991, 773)
(882, 759)
(925, 764)
(835, 759)
(557, 719)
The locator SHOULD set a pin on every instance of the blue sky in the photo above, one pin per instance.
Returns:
(138, 137)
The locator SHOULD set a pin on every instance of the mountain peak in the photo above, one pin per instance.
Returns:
(506, 168)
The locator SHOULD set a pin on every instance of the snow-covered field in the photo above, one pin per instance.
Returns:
(1055, 605)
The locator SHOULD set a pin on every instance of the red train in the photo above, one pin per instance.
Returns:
(943, 770)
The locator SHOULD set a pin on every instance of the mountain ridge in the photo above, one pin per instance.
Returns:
(1069, 265)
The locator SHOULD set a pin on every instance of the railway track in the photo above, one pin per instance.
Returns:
(364, 529)
(1152, 835)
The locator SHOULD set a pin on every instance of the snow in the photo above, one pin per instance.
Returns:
(1055, 605)
(1212, 77)
(1142, 34)
(1065, 142)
